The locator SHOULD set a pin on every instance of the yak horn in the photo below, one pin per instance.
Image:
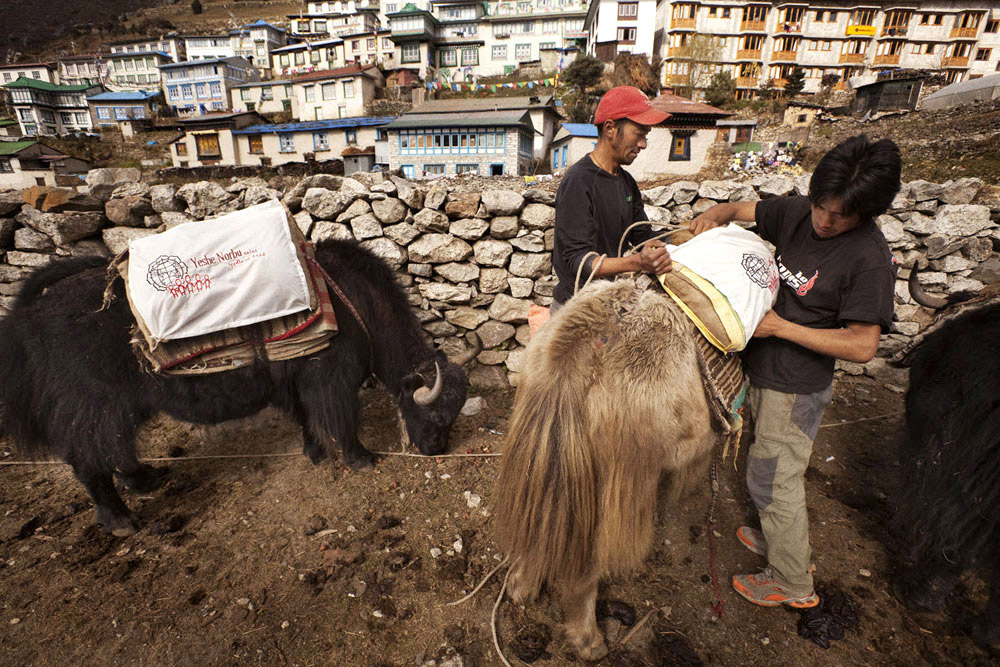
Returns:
(471, 353)
(425, 396)
(922, 297)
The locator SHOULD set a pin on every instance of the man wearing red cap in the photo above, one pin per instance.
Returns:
(597, 199)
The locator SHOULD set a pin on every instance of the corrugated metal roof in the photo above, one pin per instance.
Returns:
(309, 45)
(581, 129)
(675, 104)
(14, 147)
(258, 84)
(317, 125)
(473, 119)
(262, 22)
(349, 70)
(126, 96)
(480, 104)
(208, 61)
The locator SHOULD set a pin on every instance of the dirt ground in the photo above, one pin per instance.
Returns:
(274, 561)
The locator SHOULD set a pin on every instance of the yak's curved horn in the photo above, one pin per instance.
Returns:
(425, 396)
(922, 297)
(471, 353)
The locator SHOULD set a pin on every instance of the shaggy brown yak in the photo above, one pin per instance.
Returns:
(610, 399)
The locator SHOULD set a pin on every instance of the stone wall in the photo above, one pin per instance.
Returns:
(474, 259)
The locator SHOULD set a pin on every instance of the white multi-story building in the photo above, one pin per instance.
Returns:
(129, 71)
(758, 42)
(459, 40)
(91, 68)
(615, 27)
(47, 72)
(253, 42)
(46, 108)
(172, 45)
(203, 86)
(338, 93)
(326, 19)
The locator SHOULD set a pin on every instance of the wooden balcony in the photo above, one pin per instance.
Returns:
(784, 55)
(955, 61)
(851, 58)
(964, 33)
(790, 26)
(886, 60)
(678, 80)
(682, 24)
(748, 54)
(746, 82)
(678, 51)
(753, 26)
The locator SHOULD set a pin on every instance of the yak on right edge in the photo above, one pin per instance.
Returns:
(949, 508)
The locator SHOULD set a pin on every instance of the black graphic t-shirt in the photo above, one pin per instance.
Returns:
(825, 283)
(593, 210)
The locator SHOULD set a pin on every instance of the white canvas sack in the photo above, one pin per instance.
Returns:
(230, 271)
(739, 264)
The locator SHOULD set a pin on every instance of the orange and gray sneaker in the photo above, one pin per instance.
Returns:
(752, 539)
(762, 589)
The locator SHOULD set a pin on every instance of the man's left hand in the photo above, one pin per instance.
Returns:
(654, 258)
(769, 325)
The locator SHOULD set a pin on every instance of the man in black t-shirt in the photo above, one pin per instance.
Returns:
(598, 200)
(836, 298)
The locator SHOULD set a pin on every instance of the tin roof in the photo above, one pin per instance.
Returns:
(471, 119)
(580, 129)
(38, 84)
(126, 96)
(459, 105)
(317, 125)
(15, 147)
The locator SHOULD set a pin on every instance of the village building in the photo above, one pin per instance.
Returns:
(758, 42)
(974, 90)
(614, 27)
(45, 108)
(681, 143)
(203, 86)
(253, 42)
(358, 159)
(90, 68)
(319, 140)
(369, 48)
(541, 110)
(308, 57)
(128, 112)
(893, 92)
(323, 20)
(736, 131)
(172, 45)
(572, 142)
(47, 72)
(24, 164)
(136, 71)
(486, 143)
(208, 139)
(272, 96)
(340, 93)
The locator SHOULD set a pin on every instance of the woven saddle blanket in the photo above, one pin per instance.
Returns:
(304, 331)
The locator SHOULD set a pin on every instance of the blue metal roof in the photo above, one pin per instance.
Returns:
(581, 129)
(128, 96)
(260, 22)
(316, 125)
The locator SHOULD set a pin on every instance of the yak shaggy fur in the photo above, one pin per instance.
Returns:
(611, 399)
(71, 385)
(950, 489)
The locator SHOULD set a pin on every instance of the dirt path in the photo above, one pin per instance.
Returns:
(274, 561)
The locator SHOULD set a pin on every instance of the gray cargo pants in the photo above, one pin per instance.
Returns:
(785, 426)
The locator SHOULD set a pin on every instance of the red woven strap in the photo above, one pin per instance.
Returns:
(350, 306)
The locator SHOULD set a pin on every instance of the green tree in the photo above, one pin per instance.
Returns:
(583, 73)
(721, 89)
(795, 82)
(196, 7)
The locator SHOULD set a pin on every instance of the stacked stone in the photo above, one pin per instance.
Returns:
(477, 261)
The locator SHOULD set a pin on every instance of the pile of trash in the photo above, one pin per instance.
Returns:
(780, 158)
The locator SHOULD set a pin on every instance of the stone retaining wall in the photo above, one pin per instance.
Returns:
(476, 261)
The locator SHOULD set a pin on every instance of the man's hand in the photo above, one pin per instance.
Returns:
(769, 325)
(654, 258)
(702, 223)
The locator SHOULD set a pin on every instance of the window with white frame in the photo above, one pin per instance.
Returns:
(286, 142)
(411, 52)
(215, 88)
(66, 117)
(5, 166)
(500, 52)
(550, 26)
(626, 35)
(201, 90)
(348, 89)
(104, 113)
(310, 93)
(522, 52)
(449, 57)
(187, 91)
(330, 91)
(470, 55)
(121, 113)
(173, 92)
(266, 93)
(321, 141)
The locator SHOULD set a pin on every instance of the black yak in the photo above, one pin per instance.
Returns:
(611, 399)
(73, 387)
(949, 507)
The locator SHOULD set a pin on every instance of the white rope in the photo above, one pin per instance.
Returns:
(481, 583)
(493, 620)
(593, 270)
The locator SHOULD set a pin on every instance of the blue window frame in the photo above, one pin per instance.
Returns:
(321, 141)
(351, 136)
(173, 92)
(555, 158)
(466, 169)
(121, 113)
(565, 149)
(187, 91)
(201, 90)
(408, 170)
(216, 88)
(286, 143)
(103, 113)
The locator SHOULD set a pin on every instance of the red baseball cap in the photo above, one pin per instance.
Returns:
(628, 102)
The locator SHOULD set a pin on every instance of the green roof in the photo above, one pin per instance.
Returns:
(25, 82)
(14, 147)
(4, 122)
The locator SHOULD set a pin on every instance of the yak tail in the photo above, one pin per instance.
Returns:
(547, 495)
(51, 274)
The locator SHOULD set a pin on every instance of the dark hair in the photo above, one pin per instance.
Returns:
(619, 124)
(864, 175)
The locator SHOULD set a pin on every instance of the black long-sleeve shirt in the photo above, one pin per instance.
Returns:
(593, 209)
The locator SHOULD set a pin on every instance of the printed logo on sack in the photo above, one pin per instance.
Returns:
(797, 281)
(169, 273)
(760, 271)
